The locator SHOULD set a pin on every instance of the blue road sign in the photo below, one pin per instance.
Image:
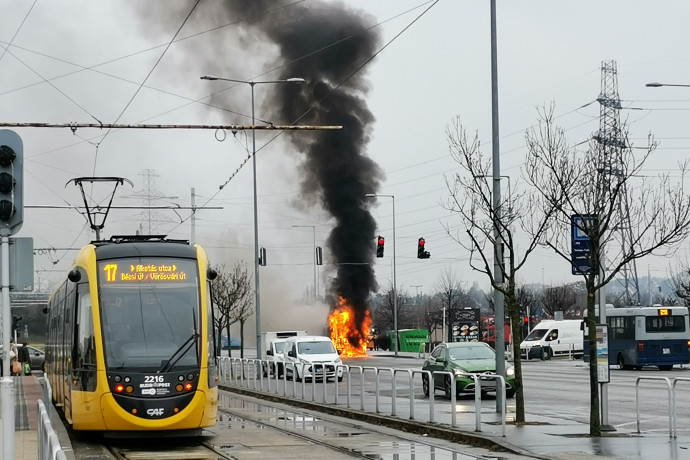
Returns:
(580, 243)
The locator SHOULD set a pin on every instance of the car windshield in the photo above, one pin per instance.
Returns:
(280, 347)
(316, 348)
(536, 334)
(463, 353)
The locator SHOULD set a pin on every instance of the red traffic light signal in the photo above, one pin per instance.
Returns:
(379, 245)
(421, 253)
(525, 320)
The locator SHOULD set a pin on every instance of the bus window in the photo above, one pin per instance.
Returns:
(665, 324)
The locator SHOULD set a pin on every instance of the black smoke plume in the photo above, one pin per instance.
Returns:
(336, 167)
(325, 43)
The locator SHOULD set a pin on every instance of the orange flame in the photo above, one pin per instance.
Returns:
(348, 340)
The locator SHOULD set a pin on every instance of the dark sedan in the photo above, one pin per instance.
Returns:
(37, 358)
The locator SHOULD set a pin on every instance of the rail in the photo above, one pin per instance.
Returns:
(247, 373)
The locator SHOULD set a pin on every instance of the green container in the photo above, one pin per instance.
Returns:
(410, 339)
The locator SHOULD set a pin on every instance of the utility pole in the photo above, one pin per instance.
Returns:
(611, 145)
(499, 318)
(193, 219)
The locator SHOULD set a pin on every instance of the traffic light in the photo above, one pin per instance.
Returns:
(11, 185)
(15, 321)
(421, 253)
(319, 255)
(379, 245)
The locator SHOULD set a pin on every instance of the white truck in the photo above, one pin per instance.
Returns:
(272, 344)
(552, 338)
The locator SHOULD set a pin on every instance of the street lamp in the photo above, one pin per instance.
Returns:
(395, 293)
(314, 254)
(257, 297)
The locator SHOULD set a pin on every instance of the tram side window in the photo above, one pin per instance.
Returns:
(210, 340)
(85, 358)
(665, 324)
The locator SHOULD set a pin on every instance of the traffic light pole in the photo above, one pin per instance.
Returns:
(6, 383)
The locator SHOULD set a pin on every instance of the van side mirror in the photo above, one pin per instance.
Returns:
(291, 354)
(269, 352)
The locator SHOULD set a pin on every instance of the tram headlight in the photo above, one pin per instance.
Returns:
(179, 387)
(119, 388)
(188, 386)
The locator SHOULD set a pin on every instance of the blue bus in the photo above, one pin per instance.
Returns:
(647, 336)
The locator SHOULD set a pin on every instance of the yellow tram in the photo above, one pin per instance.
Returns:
(130, 343)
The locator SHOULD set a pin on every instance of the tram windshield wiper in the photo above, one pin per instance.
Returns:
(179, 353)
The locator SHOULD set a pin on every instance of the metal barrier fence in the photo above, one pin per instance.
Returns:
(671, 389)
(49, 447)
(248, 373)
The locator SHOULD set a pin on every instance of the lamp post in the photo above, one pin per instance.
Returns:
(395, 288)
(499, 309)
(313, 227)
(257, 296)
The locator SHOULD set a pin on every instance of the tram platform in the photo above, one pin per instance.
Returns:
(27, 392)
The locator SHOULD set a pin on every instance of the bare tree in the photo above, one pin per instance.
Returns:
(233, 300)
(383, 315)
(491, 230)
(560, 298)
(450, 298)
(594, 186)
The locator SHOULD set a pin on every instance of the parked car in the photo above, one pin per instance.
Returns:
(465, 358)
(38, 358)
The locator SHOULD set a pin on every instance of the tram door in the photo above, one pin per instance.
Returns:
(68, 339)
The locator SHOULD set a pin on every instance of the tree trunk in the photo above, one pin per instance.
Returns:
(219, 340)
(594, 416)
(513, 314)
(227, 329)
(242, 340)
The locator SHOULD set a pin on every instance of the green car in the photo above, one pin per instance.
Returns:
(465, 357)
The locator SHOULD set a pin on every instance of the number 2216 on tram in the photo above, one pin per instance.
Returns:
(130, 343)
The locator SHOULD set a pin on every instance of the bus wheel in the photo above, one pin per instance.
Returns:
(621, 363)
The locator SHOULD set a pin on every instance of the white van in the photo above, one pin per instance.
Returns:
(552, 338)
(307, 356)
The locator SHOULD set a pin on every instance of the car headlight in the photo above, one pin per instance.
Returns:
(458, 372)
(338, 361)
(510, 371)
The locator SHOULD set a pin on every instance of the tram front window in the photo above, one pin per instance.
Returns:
(145, 324)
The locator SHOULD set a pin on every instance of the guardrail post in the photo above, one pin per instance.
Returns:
(675, 421)
(670, 402)
(411, 386)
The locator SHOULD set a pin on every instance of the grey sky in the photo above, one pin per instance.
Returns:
(436, 69)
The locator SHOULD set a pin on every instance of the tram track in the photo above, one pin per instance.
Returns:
(199, 451)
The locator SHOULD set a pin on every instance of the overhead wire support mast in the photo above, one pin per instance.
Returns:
(75, 126)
